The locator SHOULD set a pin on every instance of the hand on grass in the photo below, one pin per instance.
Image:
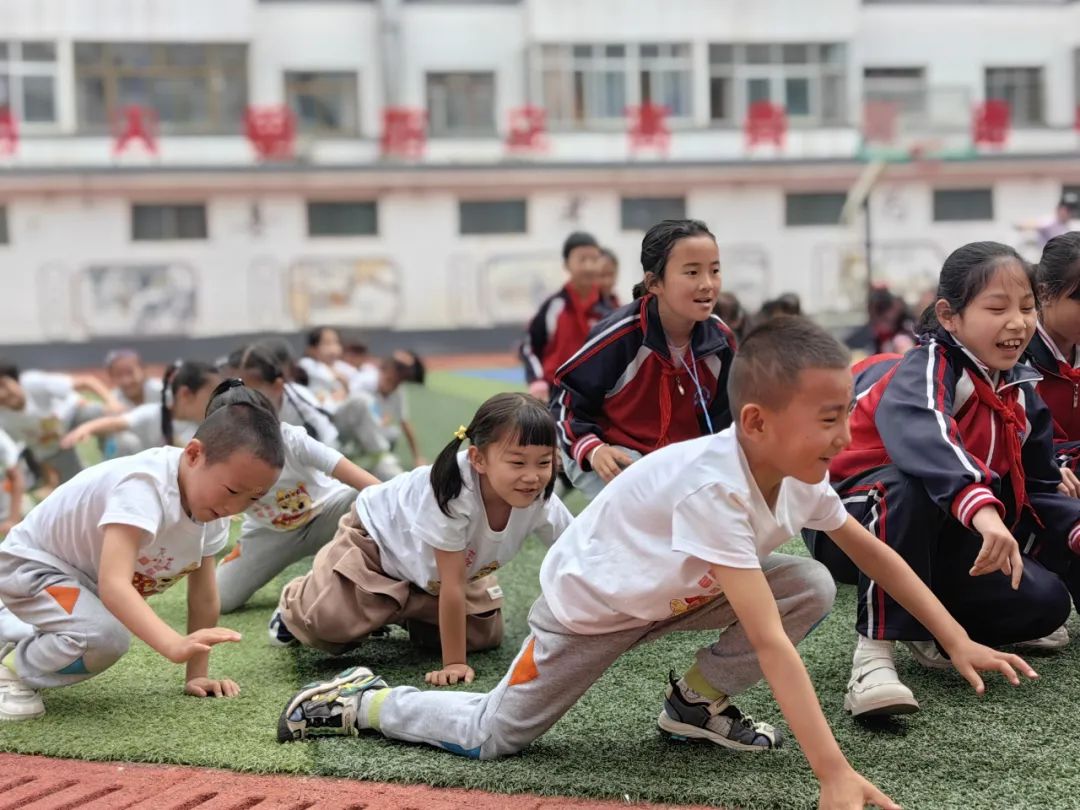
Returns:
(609, 461)
(1000, 551)
(1070, 484)
(211, 687)
(73, 438)
(851, 791)
(200, 642)
(969, 658)
(454, 673)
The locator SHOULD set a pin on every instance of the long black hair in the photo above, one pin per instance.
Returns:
(512, 417)
(190, 374)
(1057, 275)
(657, 245)
(965, 273)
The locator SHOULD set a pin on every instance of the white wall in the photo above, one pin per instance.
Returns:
(162, 20)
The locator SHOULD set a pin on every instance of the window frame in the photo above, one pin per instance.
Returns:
(449, 78)
(15, 68)
(312, 205)
(292, 81)
(937, 199)
(523, 202)
(166, 209)
(1035, 72)
(633, 218)
(835, 199)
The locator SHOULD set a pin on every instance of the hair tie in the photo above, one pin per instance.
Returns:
(461, 433)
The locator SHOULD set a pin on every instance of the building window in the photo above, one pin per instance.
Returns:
(903, 86)
(592, 84)
(154, 223)
(4, 237)
(813, 208)
(193, 89)
(461, 104)
(641, 213)
(963, 204)
(1022, 89)
(492, 216)
(28, 81)
(343, 218)
(808, 79)
(323, 102)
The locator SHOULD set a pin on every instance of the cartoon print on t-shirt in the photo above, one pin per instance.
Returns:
(294, 507)
(149, 585)
(434, 585)
(712, 589)
(50, 430)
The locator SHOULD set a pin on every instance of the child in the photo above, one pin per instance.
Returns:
(266, 368)
(563, 321)
(37, 408)
(182, 401)
(653, 372)
(319, 363)
(385, 396)
(130, 384)
(74, 575)
(14, 484)
(422, 549)
(1053, 350)
(606, 278)
(294, 519)
(950, 448)
(730, 310)
(684, 540)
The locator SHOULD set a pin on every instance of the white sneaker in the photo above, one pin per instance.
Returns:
(1057, 640)
(928, 654)
(17, 700)
(875, 689)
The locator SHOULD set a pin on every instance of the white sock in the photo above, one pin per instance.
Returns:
(868, 649)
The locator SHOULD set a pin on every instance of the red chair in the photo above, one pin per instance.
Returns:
(135, 123)
(766, 123)
(272, 131)
(991, 123)
(648, 127)
(404, 132)
(9, 132)
(528, 129)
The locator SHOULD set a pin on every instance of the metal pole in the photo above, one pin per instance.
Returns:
(869, 243)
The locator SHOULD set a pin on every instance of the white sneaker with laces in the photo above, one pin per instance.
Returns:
(928, 654)
(874, 689)
(17, 700)
(1058, 640)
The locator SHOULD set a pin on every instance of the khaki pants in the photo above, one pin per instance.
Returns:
(346, 596)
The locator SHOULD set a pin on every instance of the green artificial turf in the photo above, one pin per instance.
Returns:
(1013, 748)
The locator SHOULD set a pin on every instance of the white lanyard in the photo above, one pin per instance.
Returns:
(692, 371)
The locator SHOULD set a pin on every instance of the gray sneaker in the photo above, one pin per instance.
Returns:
(328, 708)
(688, 715)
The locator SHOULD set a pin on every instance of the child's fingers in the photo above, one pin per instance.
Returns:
(875, 796)
(1019, 663)
(196, 690)
(1017, 567)
(970, 675)
(232, 689)
(469, 676)
(1002, 666)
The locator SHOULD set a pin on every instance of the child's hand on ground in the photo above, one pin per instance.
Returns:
(849, 790)
(454, 673)
(200, 642)
(73, 438)
(969, 658)
(1070, 484)
(211, 687)
(608, 462)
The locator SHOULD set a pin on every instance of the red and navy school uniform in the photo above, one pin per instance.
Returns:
(1060, 389)
(558, 329)
(934, 439)
(623, 387)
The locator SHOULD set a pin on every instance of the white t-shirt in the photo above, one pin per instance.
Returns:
(9, 453)
(303, 487)
(642, 551)
(141, 491)
(151, 394)
(145, 422)
(321, 380)
(390, 409)
(403, 518)
(51, 402)
(298, 405)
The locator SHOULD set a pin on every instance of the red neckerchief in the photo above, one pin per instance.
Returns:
(1002, 403)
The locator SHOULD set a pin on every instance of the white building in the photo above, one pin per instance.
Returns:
(204, 239)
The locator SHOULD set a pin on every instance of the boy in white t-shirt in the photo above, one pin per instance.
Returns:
(13, 485)
(38, 408)
(75, 575)
(130, 384)
(685, 539)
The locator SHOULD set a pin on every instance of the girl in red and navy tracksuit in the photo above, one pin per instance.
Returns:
(1054, 351)
(951, 464)
(654, 371)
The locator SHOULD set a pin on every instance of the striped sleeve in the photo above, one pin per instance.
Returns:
(532, 347)
(915, 422)
(582, 382)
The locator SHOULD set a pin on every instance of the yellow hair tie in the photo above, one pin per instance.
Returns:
(460, 433)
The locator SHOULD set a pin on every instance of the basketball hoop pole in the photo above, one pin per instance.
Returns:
(858, 198)
(868, 240)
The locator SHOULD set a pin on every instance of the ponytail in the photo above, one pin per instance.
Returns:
(190, 374)
(446, 474)
(167, 401)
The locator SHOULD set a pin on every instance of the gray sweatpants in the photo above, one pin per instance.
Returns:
(356, 423)
(62, 631)
(262, 554)
(555, 667)
(590, 483)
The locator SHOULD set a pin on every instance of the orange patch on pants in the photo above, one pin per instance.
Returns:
(64, 596)
(525, 668)
(232, 555)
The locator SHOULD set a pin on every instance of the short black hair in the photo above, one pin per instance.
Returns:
(9, 369)
(240, 418)
(770, 358)
(578, 239)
